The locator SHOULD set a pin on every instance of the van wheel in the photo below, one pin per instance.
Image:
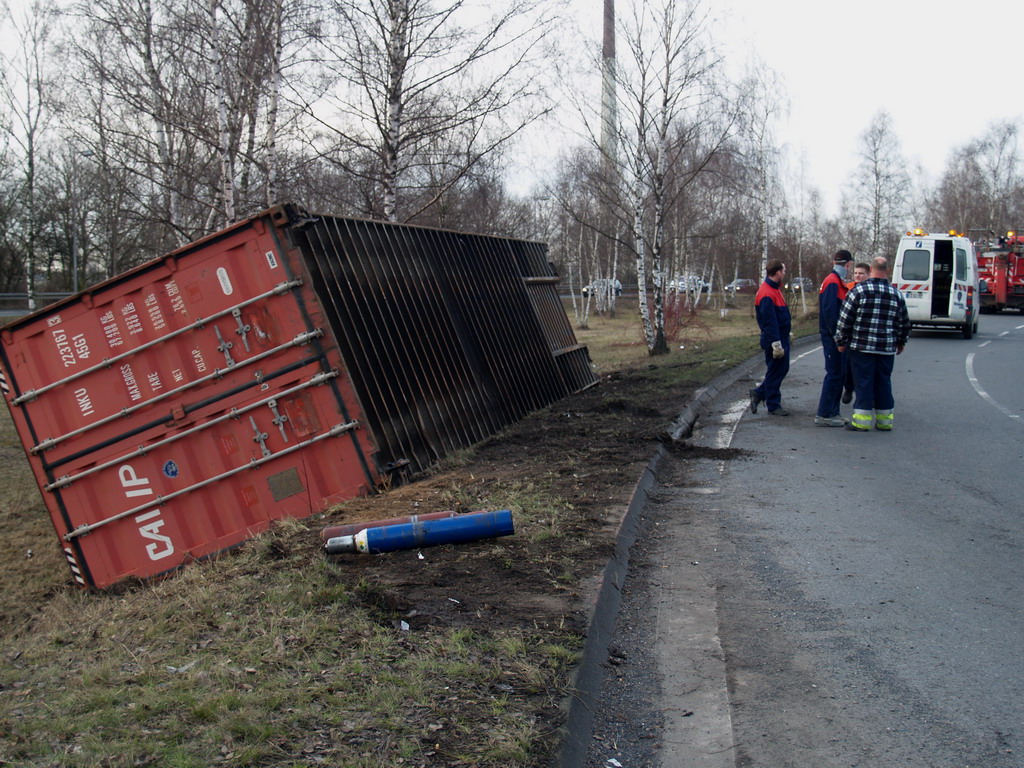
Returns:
(967, 330)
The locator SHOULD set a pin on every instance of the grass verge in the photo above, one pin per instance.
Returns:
(276, 655)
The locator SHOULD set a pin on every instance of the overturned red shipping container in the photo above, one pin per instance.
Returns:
(270, 370)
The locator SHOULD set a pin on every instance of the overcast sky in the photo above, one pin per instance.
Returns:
(944, 71)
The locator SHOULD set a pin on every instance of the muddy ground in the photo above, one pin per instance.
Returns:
(581, 458)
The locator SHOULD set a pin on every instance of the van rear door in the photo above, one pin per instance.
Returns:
(915, 278)
(942, 278)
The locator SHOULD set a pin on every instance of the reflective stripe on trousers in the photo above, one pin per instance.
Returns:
(883, 420)
(862, 419)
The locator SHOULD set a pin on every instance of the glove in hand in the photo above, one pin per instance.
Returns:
(777, 350)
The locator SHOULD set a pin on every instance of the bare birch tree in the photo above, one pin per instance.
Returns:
(26, 98)
(426, 89)
(803, 223)
(765, 102)
(999, 183)
(881, 186)
(193, 100)
(667, 87)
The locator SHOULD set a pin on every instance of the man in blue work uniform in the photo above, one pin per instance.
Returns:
(775, 323)
(830, 299)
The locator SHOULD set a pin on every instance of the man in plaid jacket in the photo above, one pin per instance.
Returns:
(874, 326)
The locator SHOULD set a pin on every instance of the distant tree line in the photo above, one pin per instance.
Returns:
(131, 127)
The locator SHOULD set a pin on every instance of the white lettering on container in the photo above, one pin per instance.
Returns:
(67, 356)
(177, 300)
(132, 483)
(149, 522)
(129, 379)
(177, 375)
(110, 329)
(162, 546)
(197, 357)
(272, 259)
(225, 281)
(154, 381)
(156, 315)
(131, 319)
(84, 401)
(81, 346)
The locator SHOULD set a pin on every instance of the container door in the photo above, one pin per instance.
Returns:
(176, 410)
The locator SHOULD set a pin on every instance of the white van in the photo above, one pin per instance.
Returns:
(938, 276)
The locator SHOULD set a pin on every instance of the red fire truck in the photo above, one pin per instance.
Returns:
(1001, 268)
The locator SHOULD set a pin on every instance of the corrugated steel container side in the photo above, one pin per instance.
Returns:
(176, 410)
(449, 337)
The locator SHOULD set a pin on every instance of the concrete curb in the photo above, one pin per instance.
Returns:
(682, 427)
(579, 727)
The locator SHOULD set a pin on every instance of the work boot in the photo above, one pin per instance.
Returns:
(862, 420)
(754, 399)
(779, 412)
(883, 421)
(830, 421)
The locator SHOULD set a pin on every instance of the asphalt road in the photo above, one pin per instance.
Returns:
(813, 597)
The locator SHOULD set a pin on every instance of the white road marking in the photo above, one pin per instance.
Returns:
(809, 352)
(985, 395)
(730, 423)
(731, 418)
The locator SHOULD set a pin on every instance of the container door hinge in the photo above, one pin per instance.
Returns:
(279, 418)
(225, 347)
(260, 437)
(243, 329)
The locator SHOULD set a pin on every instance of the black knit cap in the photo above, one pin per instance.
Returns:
(842, 257)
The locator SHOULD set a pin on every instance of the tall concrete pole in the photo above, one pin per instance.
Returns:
(609, 105)
(609, 150)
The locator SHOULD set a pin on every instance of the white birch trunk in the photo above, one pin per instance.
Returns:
(658, 329)
(641, 260)
(226, 172)
(168, 188)
(272, 191)
(660, 170)
(397, 58)
(615, 272)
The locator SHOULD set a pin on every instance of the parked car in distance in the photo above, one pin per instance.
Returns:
(741, 285)
(800, 284)
(602, 287)
(693, 283)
